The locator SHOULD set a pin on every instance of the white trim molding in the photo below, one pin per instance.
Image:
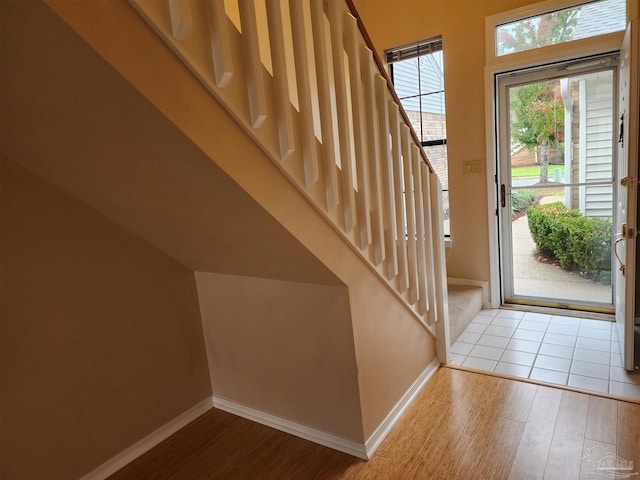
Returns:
(374, 441)
(125, 457)
(330, 440)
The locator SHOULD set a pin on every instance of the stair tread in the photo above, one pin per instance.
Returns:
(464, 304)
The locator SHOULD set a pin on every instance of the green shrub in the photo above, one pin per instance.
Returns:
(578, 243)
(521, 200)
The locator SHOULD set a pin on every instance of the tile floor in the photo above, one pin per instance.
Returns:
(577, 352)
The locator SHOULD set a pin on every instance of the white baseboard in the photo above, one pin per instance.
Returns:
(111, 466)
(374, 441)
(303, 431)
(474, 283)
(360, 450)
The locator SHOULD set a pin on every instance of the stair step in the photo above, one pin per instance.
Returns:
(464, 303)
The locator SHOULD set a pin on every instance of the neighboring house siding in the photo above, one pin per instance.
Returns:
(575, 144)
(598, 200)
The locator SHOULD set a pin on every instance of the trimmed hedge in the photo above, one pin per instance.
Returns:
(579, 243)
(521, 200)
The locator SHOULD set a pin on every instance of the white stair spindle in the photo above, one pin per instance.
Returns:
(344, 137)
(423, 304)
(373, 150)
(442, 306)
(386, 178)
(412, 257)
(330, 168)
(401, 217)
(303, 80)
(253, 65)
(281, 79)
(181, 19)
(220, 42)
(359, 128)
(428, 224)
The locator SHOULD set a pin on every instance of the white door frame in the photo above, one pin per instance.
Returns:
(587, 66)
(518, 61)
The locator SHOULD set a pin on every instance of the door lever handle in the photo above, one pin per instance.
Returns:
(615, 252)
(623, 236)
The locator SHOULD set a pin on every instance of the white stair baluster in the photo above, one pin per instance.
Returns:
(386, 178)
(253, 65)
(324, 99)
(373, 150)
(303, 80)
(412, 257)
(423, 304)
(281, 79)
(442, 306)
(220, 42)
(401, 216)
(181, 19)
(359, 129)
(344, 134)
(428, 223)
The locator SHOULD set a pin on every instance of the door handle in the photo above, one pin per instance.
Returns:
(503, 195)
(623, 237)
(615, 252)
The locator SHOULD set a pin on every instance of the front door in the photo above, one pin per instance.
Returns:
(556, 181)
(626, 186)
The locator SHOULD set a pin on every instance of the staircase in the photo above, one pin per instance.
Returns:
(267, 152)
(307, 87)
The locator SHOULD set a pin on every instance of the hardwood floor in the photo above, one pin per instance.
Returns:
(462, 425)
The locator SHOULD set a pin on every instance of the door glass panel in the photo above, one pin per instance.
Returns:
(560, 179)
(557, 252)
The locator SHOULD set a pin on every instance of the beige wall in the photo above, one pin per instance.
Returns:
(461, 24)
(100, 334)
(284, 348)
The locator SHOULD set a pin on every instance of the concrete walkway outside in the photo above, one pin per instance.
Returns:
(536, 279)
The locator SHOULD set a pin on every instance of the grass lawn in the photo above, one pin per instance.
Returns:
(534, 171)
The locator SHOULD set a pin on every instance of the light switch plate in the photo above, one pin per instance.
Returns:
(472, 167)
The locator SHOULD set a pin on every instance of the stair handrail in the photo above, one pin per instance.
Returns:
(383, 71)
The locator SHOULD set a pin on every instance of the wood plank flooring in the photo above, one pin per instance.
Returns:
(463, 425)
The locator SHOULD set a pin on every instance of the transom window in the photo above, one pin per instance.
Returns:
(589, 19)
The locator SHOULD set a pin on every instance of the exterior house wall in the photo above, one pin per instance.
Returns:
(591, 137)
(598, 155)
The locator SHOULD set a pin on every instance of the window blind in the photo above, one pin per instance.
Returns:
(413, 50)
